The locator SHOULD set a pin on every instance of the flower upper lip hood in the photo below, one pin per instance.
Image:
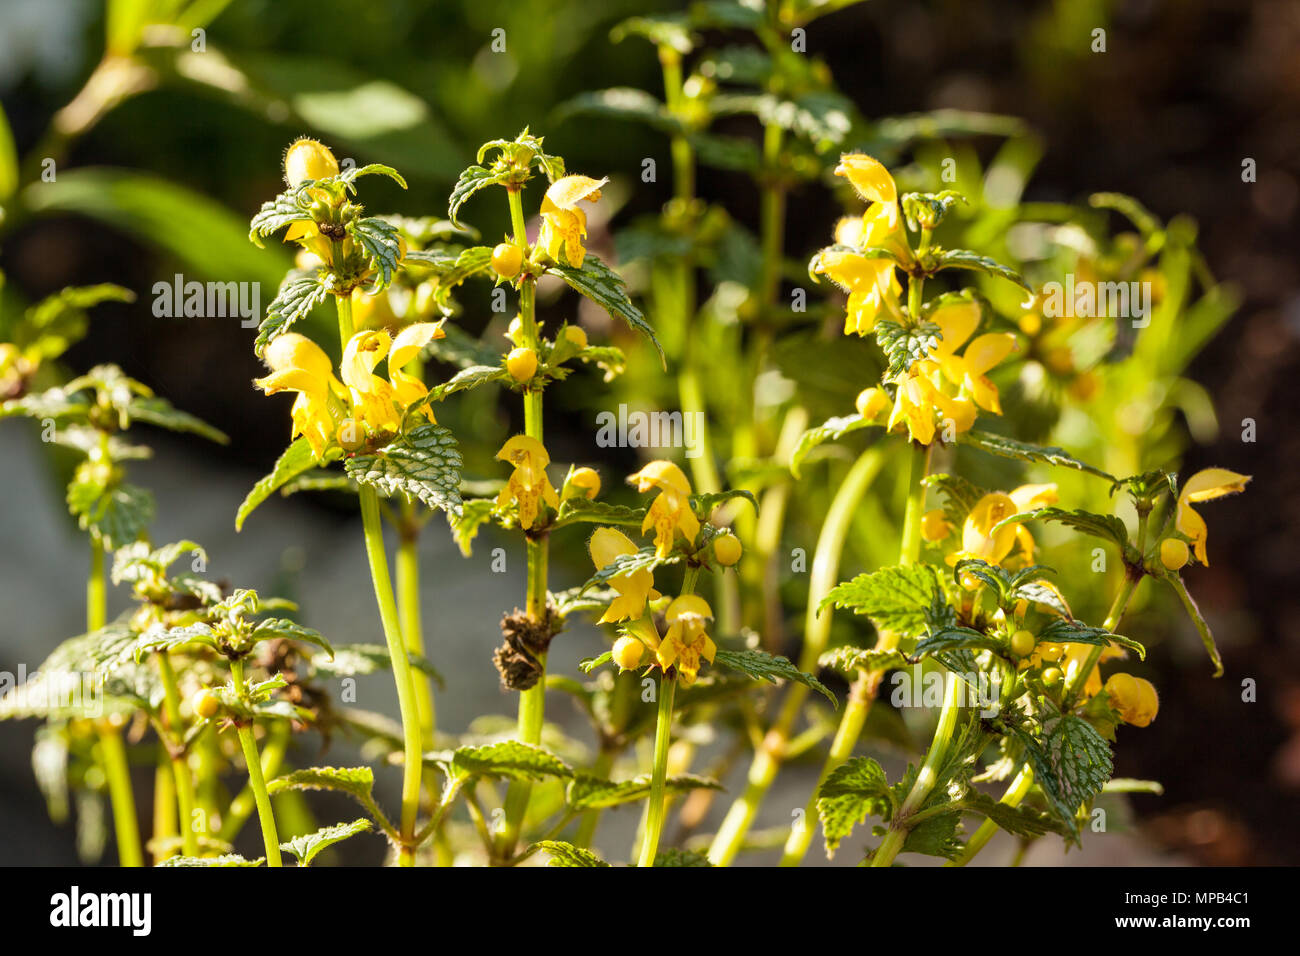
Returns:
(979, 539)
(564, 224)
(634, 587)
(300, 365)
(1205, 485)
(663, 475)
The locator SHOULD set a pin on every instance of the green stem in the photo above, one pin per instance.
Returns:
(659, 774)
(244, 803)
(926, 779)
(412, 750)
(125, 827)
(265, 815)
(180, 765)
(825, 569)
(532, 702)
(96, 599)
(911, 546)
(408, 597)
(600, 769)
(164, 808)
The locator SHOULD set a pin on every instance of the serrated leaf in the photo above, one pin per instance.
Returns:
(830, 430)
(960, 496)
(1071, 765)
(354, 173)
(566, 854)
(759, 665)
(295, 460)
(468, 378)
(1107, 527)
(855, 790)
(306, 848)
(424, 463)
(350, 660)
(381, 241)
(623, 103)
(904, 346)
(578, 509)
(512, 759)
(935, 836)
(954, 637)
(158, 411)
(585, 792)
(474, 513)
(470, 181)
(965, 259)
(1006, 447)
(297, 296)
(118, 515)
(678, 857)
(894, 598)
(279, 627)
(1064, 631)
(602, 285)
(1019, 821)
(645, 559)
(277, 213)
(355, 781)
(849, 660)
(228, 859)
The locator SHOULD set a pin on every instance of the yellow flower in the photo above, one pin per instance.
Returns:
(1135, 699)
(528, 484)
(919, 397)
(686, 643)
(872, 181)
(377, 402)
(307, 159)
(634, 588)
(957, 321)
(1205, 485)
(300, 365)
(581, 483)
(671, 511)
(564, 225)
(979, 540)
(870, 283)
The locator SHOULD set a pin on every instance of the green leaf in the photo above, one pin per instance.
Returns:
(759, 665)
(849, 660)
(904, 347)
(1018, 821)
(1006, 447)
(566, 854)
(297, 296)
(1108, 527)
(1064, 631)
(279, 627)
(855, 790)
(296, 459)
(162, 639)
(894, 598)
(585, 792)
(380, 239)
(468, 378)
(644, 560)
(602, 285)
(118, 515)
(424, 463)
(357, 782)
(512, 759)
(159, 412)
(474, 513)
(830, 430)
(1071, 766)
(575, 510)
(275, 214)
(960, 496)
(354, 173)
(965, 259)
(704, 503)
(623, 103)
(228, 859)
(305, 848)
(8, 159)
(53, 324)
(669, 30)
(677, 857)
(952, 637)
(935, 836)
(1148, 225)
(468, 183)
(350, 660)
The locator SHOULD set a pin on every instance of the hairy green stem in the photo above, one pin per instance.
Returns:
(659, 773)
(180, 765)
(244, 803)
(265, 815)
(125, 827)
(408, 597)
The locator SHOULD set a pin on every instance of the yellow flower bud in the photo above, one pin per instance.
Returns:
(351, 434)
(627, 652)
(1031, 323)
(1174, 553)
(727, 549)
(934, 526)
(205, 703)
(970, 582)
(871, 402)
(1052, 676)
(521, 364)
(584, 482)
(577, 336)
(1051, 652)
(307, 159)
(1022, 643)
(1135, 699)
(507, 259)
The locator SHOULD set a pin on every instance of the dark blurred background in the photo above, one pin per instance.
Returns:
(1185, 91)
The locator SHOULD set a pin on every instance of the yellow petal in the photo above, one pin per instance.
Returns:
(523, 448)
(608, 544)
(1210, 483)
(957, 321)
(1032, 497)
(363, 352)
(868, 176)
(410, 341)
(568, 191)
(987, 351)
(663, 475)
